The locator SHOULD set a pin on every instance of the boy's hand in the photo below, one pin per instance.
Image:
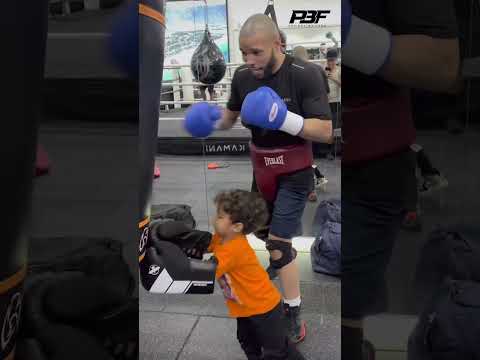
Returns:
(228, 292)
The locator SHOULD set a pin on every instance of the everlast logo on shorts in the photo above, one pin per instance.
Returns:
(308, 16)
(274, 160)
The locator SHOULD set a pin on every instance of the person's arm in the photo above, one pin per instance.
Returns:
(317, 125)
(226, 262)
(423, 62)
(419, 49)
(228, 119)
(317, 130)
(213, 243)
(335, 77)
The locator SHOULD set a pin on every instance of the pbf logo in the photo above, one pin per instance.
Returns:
(308, 17)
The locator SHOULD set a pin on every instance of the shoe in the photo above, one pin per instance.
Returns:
(295, 325)
(432, 183)
(272, 272)
(412, 222)
(312, 196)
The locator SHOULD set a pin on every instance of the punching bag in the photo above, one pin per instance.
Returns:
(24, 32)
(163, 266)
(208, 64)
(123, 41)
(151, 55)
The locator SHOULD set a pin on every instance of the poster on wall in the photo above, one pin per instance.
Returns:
(185, 28)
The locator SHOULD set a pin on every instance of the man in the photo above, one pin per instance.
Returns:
(404, 44)
(283, 102)
(300, 52)
(334, 76)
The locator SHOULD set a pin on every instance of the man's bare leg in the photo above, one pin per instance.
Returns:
(290, 284)
(289, 274)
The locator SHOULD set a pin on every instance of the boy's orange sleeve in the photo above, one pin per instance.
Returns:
(214, 242)
(224, 255)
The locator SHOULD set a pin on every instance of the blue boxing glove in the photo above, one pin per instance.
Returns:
(265, 109)
(366, 47)
(201, 119)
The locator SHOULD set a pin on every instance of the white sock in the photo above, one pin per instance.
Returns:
(293, 302)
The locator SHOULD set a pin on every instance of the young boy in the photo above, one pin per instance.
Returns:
(251, 297)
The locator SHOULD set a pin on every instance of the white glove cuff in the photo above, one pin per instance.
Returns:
(293, 124)
(367, 48)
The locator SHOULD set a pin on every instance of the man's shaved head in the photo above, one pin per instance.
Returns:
(260, 24)
(261, 46)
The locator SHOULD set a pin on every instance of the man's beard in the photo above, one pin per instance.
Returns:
(268, 72)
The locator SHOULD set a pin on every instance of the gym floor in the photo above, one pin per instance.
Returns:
(71, 202)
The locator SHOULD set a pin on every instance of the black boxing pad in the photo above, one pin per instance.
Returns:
(65, 342)
(208, 64)
(180, 234)
(178, 212)
(78, 298)
(58, 341)
(168, 230)
(29, 349)
(167, 270)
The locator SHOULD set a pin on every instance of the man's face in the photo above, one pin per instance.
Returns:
(331, 63)
(258, 52)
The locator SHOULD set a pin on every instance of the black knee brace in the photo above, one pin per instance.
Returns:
(285, 248)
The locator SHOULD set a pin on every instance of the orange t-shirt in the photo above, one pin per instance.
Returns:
(249, 280)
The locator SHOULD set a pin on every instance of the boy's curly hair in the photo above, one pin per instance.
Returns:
(244, 207)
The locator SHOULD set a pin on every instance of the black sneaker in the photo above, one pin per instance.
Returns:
(272, 272)
(295, 325)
